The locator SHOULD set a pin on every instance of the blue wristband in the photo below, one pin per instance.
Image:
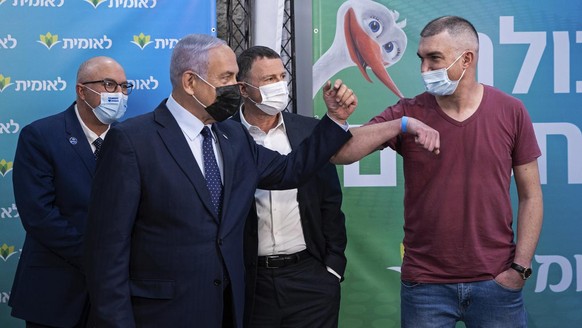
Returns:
(404, 121)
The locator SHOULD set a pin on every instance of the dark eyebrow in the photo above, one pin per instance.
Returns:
(431, 54)
(269, 76)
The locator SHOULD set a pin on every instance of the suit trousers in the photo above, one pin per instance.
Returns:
(303, 294)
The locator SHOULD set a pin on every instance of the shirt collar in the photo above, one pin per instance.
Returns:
(190, 124)
(250, 127)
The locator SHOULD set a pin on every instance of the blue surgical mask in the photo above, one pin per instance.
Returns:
(437, 82)
(111, 108)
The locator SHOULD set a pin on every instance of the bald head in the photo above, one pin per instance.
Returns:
(92, 68)
(460, 29)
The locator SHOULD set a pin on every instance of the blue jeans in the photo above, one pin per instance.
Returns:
(478, 304)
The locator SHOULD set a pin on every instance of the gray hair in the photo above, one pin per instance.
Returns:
(191, 53)
(458, 27)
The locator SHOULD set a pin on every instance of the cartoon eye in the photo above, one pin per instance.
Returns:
(374, 25)
(388, 47)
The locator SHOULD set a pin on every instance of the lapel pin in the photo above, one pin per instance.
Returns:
(73, 140)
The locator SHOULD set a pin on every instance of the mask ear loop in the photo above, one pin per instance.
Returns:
(85, 100)
(453, 63)
(251, 99)
(200, 77)
(464, 69)
(82, 92)
(462, 74)
(92, 90)
(193, 96)
(201, 104)
(242, 83)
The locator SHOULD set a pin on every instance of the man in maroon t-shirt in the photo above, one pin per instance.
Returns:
(461, 262)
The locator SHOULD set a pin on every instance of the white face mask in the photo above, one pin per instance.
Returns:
(111, 108)
(275, 97)
(437, 82)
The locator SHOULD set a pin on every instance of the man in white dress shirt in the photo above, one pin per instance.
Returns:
(295, 239)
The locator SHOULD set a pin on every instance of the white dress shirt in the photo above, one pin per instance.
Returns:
(90, 135)
(191, 126)
(279, 226)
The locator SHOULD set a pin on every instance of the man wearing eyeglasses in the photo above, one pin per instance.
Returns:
(53, 168)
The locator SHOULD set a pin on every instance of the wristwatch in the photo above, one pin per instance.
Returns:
(524, 272)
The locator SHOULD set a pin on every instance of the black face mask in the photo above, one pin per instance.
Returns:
(228, 100)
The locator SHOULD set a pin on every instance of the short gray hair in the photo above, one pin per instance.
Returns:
(191, 53)
(458, 27)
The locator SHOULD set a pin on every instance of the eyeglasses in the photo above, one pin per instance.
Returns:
(111, 85)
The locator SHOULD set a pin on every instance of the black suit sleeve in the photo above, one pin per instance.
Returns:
(279, 172)
(333, 219)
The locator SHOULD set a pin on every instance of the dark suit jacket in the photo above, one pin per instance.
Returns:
(53, 168)
(322, 220)
(156, 254)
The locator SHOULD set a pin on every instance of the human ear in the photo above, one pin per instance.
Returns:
(468, 58)
(189, 81)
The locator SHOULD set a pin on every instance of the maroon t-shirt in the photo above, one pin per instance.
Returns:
(457, 208)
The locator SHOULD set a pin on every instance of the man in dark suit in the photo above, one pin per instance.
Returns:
(172, 192)
(295, 239)
(53, 169)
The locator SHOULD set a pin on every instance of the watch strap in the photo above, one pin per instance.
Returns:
(523, 271)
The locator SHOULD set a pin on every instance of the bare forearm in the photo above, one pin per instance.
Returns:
(530, 211)
(529, 226)
(366, 139)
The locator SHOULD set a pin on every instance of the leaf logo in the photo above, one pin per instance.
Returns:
(95, 3)
(49, 40)
(4, 82)
(141, 40)
(5, 167)
(6, 251)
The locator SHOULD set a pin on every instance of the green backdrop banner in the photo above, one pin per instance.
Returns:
(530, 50)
